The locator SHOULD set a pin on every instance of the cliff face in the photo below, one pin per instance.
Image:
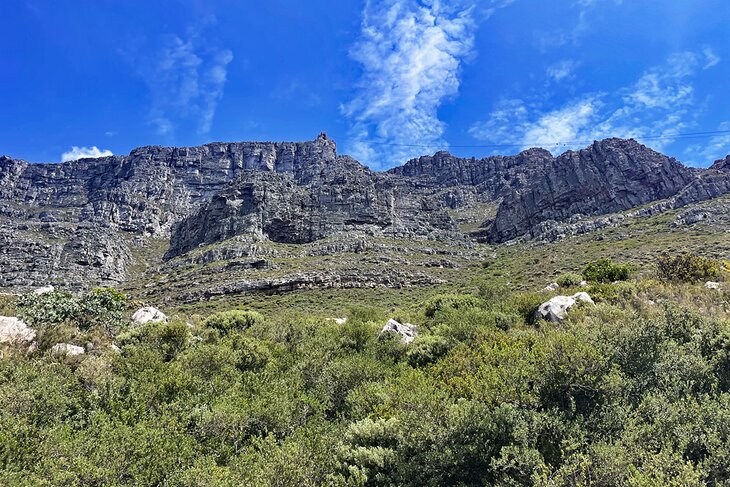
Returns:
(81, 223)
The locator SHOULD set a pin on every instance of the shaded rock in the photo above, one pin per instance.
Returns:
(148, 314)
(66, 350)
(552, 287)
(557, 308)
(407, 331)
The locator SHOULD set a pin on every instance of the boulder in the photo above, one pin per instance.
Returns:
(15, 331)
(406, 331)
(712, 285)
(44, 290)
(552, 287)
(148, 314)
(66, 350)
(340, 321)
(556, 309)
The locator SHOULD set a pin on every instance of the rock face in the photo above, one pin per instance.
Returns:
(66, 350)
(557, 308)
(97, 222)
(14, 331)
(148, 314)
(407, 332)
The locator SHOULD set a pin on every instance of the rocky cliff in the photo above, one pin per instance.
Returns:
(97, 221)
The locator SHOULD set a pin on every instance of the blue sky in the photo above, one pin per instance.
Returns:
(387, 79)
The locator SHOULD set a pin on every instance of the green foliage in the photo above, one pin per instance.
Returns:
(687, 267)
(449, 302)
(100, 307)
(605, 270)
(629, 392)
(569, 280)
(235, 320)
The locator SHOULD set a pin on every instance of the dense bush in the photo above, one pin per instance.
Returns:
(569, 280)
(624, 393)
(605, 270)
(687, 267)
(227, 321)
(102, 307)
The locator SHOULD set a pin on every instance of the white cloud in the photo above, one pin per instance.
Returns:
(186, 78)
(660, 103)
(411, 53)
(711, 58)
(562, 70)
(717, 147)
(84, 153)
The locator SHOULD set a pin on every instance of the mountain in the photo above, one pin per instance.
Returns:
(121, 219)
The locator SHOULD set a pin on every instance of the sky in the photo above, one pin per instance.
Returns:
(388, 80)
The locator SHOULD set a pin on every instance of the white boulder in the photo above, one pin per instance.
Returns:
(44, 290)
(406, 331)
(340, 321)
(66, 350)
(15, 331)
(556, 309)
(712, 285)
(552, 287)
(148, 314)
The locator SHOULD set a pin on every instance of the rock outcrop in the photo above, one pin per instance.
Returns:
(148, 314)
(406, 331)
(557, 308)
(104, 221)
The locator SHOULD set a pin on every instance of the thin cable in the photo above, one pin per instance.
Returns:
(689, 135)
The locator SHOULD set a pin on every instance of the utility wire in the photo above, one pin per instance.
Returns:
(691, 135)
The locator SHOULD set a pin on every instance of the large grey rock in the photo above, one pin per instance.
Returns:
(556, 309)
(148, 314)
(712, 285)
(44, 290)
(13, 331)
(407, 331)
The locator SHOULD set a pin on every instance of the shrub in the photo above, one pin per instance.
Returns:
(428, 349)
(569, 280)
(443, 302)
(226, 321)
(605, 270)
(99, 307)
(687, 267)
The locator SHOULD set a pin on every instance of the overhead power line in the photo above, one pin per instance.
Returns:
(690, 135)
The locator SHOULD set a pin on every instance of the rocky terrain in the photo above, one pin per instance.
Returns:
(231, 218)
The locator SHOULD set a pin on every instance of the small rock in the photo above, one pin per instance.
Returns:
(712, 285)
(406, 331)
(44, 290)
(556, 309)
(340, 321)
(148, 314)
(583, 283)
(115, 348)
(15, 331)
(552, 287)
(66, 350)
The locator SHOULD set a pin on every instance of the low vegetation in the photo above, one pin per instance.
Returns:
(632, 391)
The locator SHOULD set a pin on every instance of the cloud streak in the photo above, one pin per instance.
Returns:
(411, 53)
(84, 153)
(660, 102)
(186, 77)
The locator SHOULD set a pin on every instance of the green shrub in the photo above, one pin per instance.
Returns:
(444, 302)
(687, 267)
(99, 307)
(227, 321)
(569, 280)
(427, 349)
(605, 270)
(525, 305)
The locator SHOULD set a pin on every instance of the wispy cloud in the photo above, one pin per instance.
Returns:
(186, 77)
(562, 70)
(660, 102)
(411, 54)
(579, 28)
(717, 147)
(711, 58)
(83, 153)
